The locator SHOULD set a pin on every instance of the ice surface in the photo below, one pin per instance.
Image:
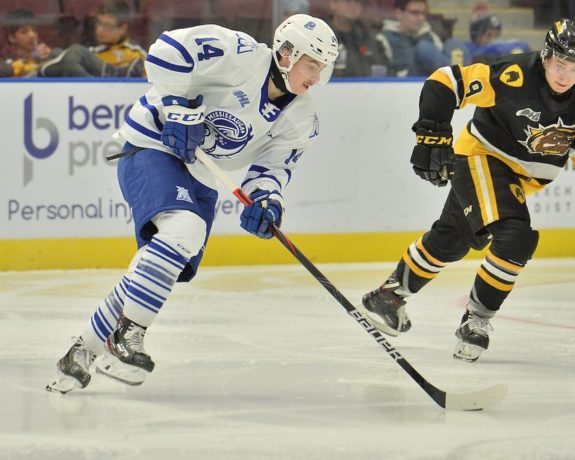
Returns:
(262, 363)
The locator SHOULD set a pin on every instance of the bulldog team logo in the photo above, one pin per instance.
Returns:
(554, 139)
(226, 133)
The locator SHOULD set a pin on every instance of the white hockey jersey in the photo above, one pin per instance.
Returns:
(230, 69)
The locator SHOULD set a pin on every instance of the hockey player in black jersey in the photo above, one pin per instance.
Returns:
(517, 142)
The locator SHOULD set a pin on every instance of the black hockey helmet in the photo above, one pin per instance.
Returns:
(560, 41)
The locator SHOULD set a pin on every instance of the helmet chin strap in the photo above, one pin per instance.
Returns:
(280, 76)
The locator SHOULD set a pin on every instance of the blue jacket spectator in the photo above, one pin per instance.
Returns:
(485, 45)
(412, 47)
(360, 54)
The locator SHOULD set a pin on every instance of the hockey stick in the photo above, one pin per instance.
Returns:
(475, 400)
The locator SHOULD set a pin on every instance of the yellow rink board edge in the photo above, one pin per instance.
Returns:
(47, 254)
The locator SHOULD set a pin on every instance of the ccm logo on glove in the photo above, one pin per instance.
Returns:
(184, 117)
(434, 140)
(184, 128)
(433, 158)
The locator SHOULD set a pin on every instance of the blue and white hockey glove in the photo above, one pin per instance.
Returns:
(258, 217)
(184, 128)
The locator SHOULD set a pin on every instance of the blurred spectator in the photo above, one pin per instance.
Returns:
(28, 56)
(547, 12)
(5, 69)
(484, 31)
(22, 48)
(290, 7)
(360, 54)
(112, 34)
(561, 8)
(412, 47)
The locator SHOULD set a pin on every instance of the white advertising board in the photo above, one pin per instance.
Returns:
(55, 182)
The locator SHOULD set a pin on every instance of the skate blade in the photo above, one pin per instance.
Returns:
(63, 384)
(467, 352)
(377, 322)
(112, 367)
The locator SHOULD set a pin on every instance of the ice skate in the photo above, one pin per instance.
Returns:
(125, 359)
(386, 309)
(73, 369)
(112, 367)
(473, 335)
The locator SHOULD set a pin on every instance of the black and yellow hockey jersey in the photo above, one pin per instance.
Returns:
(517, 119)
(122, 53)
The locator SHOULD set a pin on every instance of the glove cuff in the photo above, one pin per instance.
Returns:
(262, 187)
(431, 126)
(168, 101)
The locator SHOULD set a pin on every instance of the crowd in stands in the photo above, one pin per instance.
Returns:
(394, 38)
(485, 44)
(112, 54)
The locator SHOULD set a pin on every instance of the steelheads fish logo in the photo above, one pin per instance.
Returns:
(226, 133)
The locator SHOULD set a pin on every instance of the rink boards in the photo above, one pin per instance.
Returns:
(353, 197)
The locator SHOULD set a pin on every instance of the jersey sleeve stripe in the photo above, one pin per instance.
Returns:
(445, 76)
(169, 66)
(459, 84)
(154, 111)
(262, 170)
(262, 176)
(181, 48)
(141, 129)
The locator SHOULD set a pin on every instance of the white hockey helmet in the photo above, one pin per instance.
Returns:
(303, 34)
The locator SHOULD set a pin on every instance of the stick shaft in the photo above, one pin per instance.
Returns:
(437, 395)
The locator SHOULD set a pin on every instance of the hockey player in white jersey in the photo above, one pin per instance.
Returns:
(245, 105)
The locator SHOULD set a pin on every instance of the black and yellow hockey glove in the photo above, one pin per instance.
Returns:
(433, 158)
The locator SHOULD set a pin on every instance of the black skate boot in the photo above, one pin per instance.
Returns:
(125, 359)
(473, 335)
(73, 369)
(386, 309)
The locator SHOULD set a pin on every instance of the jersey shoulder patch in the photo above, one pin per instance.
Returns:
(512, 76)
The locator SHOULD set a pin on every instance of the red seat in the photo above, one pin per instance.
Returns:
(319, 8)
(176, 8)
(43, 8)
(79, 9)
(230, 9)
(373, 10)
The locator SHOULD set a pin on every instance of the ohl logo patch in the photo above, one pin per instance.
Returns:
(554, 139)
(518, 192)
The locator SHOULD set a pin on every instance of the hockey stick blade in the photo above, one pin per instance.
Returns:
(471, 401)
(476, 400)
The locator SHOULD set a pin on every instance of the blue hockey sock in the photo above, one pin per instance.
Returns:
(153, 280)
